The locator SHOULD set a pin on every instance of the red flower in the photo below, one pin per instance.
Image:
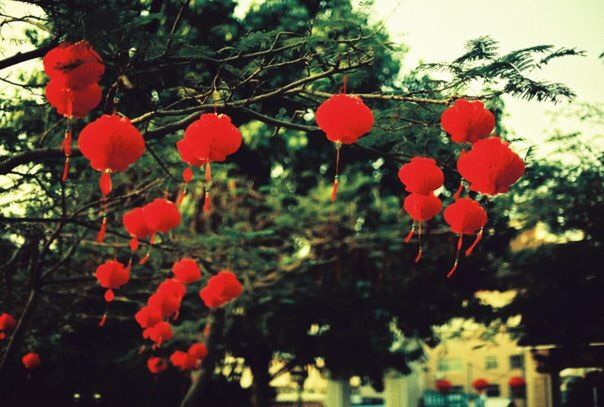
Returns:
(31, 361)
(221, 289)
(161, 215)
(490, 166)
(344, 118)
(73, 102)
(156, 365)
(467, 122)
(480, 384)
(148, 316)
(465, 216)
(421, 176)
(158, 333)
(183, 360)
(112, 275)
(422, 207)
(74, 66)
(210, 138)
(186, 271)
(135, 224)
(198, 350)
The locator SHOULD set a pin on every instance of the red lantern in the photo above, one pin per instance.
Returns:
(344, 119)
(421, 208)
(159, 333)
(467, 122)
(148, 316)
(7, 324)
(112, 275)
(221, 289)
(183, 360)
(490, 166)
(516, 382)
(443, 385)
(31, 361)
(198, 350)
(135, 224)
(168, 297)
(74, 70)
(421, 176)
(480, 384)
(160, 215)
(111, 143)
(156, 365)
(186, 271)
(209, 139)
(465, 216)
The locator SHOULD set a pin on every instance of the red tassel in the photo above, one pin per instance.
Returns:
(142, 349)
(109, 295)
(334, 189)
(134, 243)
(176, 315)
(105, 183)
(181, 196)
(100, 237)
(420, 250)
(65, 170)
(459, 245)
(67, 150)
(459, 191)
(419, 254)
(207, 203)
(410, 234)
(69, 103)
(103, 320)
(187, 174)
(471, 248)
(336, 178)
(148, 254)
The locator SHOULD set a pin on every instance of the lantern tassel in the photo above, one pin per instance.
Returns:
(459, 245)
(420, 249)
(181, 196)
(207, 204)
(100, 237)
(476, 241)
(103, 320)
(141, 350)
(133, 243)
(336, 178)
(457, 193)
(148, 254)
(105, 183)
(67, 150)
(109, 295)
(410, 234)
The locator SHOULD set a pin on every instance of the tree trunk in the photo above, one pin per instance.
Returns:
(262, 395)
(199, 394)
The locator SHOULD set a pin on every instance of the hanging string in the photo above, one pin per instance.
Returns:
(410, 234)
(105, 185)
(459, 245)
(420, 250)
(459, 191)
(336, 178)
(67, 140)
(207, 204)
(476, 241)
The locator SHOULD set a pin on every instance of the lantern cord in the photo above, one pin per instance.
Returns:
(207, 204)
(410, 234)
(420, 249)
(67, 140)
(459, 244)
(459, 191)
(478, 238)
(144, 259)
(336, 178)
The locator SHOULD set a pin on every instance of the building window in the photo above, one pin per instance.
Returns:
(490, 363)
(448, 365)
(517, 362)
(493, 390)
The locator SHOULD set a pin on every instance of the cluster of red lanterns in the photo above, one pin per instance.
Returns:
(74, 70)
(191, 359)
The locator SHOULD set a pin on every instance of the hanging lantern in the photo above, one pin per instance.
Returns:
(74, 70)
(443, 386)
(480, 385)
(31, 361)
(136, 225)
(420, 208)
(186, 271)
(148, 316)
(465, 216)
(184, 361)
(421, 176)
(516, 382)
(168, 297)
(159, 333)
(344, 119)
(467, 122)
(490, 166)
(111, 275)
(198, 350)
(156, 365)
(160, 215)
(111, 144)
(209, 139)
(221, 289)
(7, 324)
